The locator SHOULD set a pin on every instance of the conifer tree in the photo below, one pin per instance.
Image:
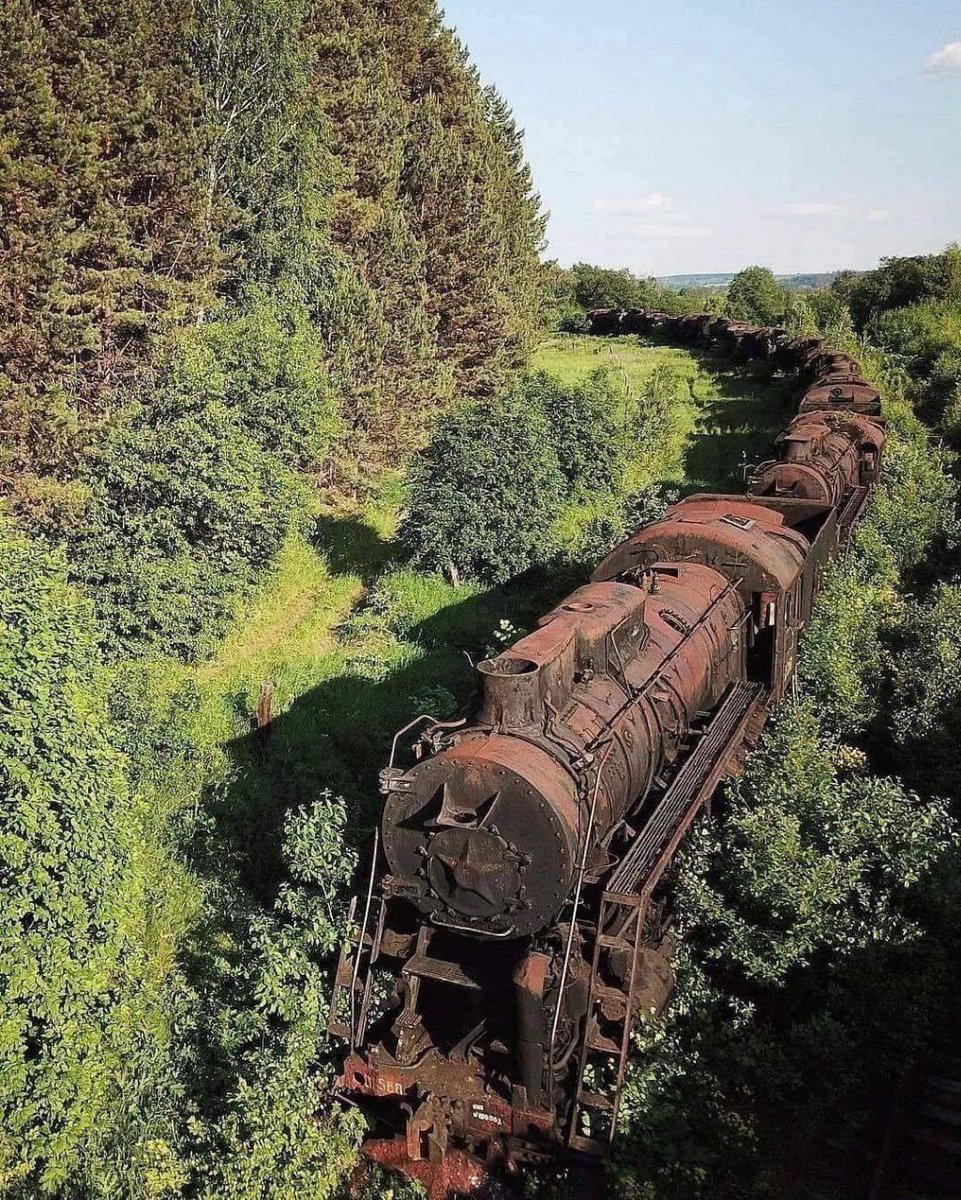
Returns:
(435, 212)
(100, 153)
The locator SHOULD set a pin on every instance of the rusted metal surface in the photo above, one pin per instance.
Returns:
(512, 929)
(604, 322)
(822, 456)
(455, 1174)
(482, 836)
(745, 543)
(842, 391)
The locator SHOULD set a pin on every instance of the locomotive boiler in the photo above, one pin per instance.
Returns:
(483, 837)
(823, 456)
(514, 924)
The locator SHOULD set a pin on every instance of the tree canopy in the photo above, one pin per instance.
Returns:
(754, 294)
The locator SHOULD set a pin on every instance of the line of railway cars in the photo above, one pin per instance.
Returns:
(513, 927)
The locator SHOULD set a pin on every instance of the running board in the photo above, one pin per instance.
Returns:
(693, 785)
(850, 511)
(623, 916)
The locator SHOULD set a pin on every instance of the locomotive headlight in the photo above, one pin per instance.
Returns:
(481, 837)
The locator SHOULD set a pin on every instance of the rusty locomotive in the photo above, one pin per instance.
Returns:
(513, 927)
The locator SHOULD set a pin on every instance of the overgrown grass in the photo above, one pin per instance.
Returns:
(723, 418)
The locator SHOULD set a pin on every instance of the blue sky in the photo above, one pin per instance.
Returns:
(704, 136)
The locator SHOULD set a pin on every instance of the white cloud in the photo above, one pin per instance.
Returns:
(946, 61)
(809, 209)
(664, 231)
(878, 214)
(652, 202)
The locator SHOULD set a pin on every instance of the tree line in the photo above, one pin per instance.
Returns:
(249, 249)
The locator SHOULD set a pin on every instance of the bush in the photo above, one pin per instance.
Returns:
(186, 506)
(581, 425)
(606, 287)
(842, 664)
(816, 855)
(914, 510)
(265, 364)
(262, 1014)
(615, 518)
(484, 495)
(78, 1009)
(900, 283)
(925, 712)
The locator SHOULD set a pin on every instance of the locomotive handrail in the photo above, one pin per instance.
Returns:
(360, 942)
(581, 871)
(412, 724)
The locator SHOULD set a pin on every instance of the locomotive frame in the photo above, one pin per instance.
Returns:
(515, 891)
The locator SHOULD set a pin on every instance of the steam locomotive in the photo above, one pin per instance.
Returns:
(514, 927)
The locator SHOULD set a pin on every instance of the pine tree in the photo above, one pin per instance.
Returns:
(100, 156)
(478, 216)
(436, 214)
(383, 333)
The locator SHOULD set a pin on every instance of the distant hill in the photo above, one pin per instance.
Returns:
(795, 282)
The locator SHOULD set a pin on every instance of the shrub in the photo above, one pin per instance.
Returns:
(259, 1026)
(485, 493)
(915, 507)
(652, 409)
(606, 287)
(925, 712)
(77, 1009)
(265, 364)
(842, 664)
(581, 426)
(901, 282)
(185, 506)
(813, 857)
(615, 518)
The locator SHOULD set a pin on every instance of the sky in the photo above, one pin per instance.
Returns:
(706, 135)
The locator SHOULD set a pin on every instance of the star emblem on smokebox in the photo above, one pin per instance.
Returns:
(473, 870)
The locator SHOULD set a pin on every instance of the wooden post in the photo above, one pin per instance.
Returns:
(265, 711)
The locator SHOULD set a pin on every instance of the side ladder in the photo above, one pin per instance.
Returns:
(353, 979)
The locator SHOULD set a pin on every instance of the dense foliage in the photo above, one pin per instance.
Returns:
(347, 159)
(249, 248)
(568, 294)
(78, 984)
(193, 488)
(911, 307)
(754, 294)
(104, 211)
(435, 211)
(484, 495)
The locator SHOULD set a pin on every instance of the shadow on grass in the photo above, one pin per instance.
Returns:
(354, 547)
(337, 735)
(737, 425)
